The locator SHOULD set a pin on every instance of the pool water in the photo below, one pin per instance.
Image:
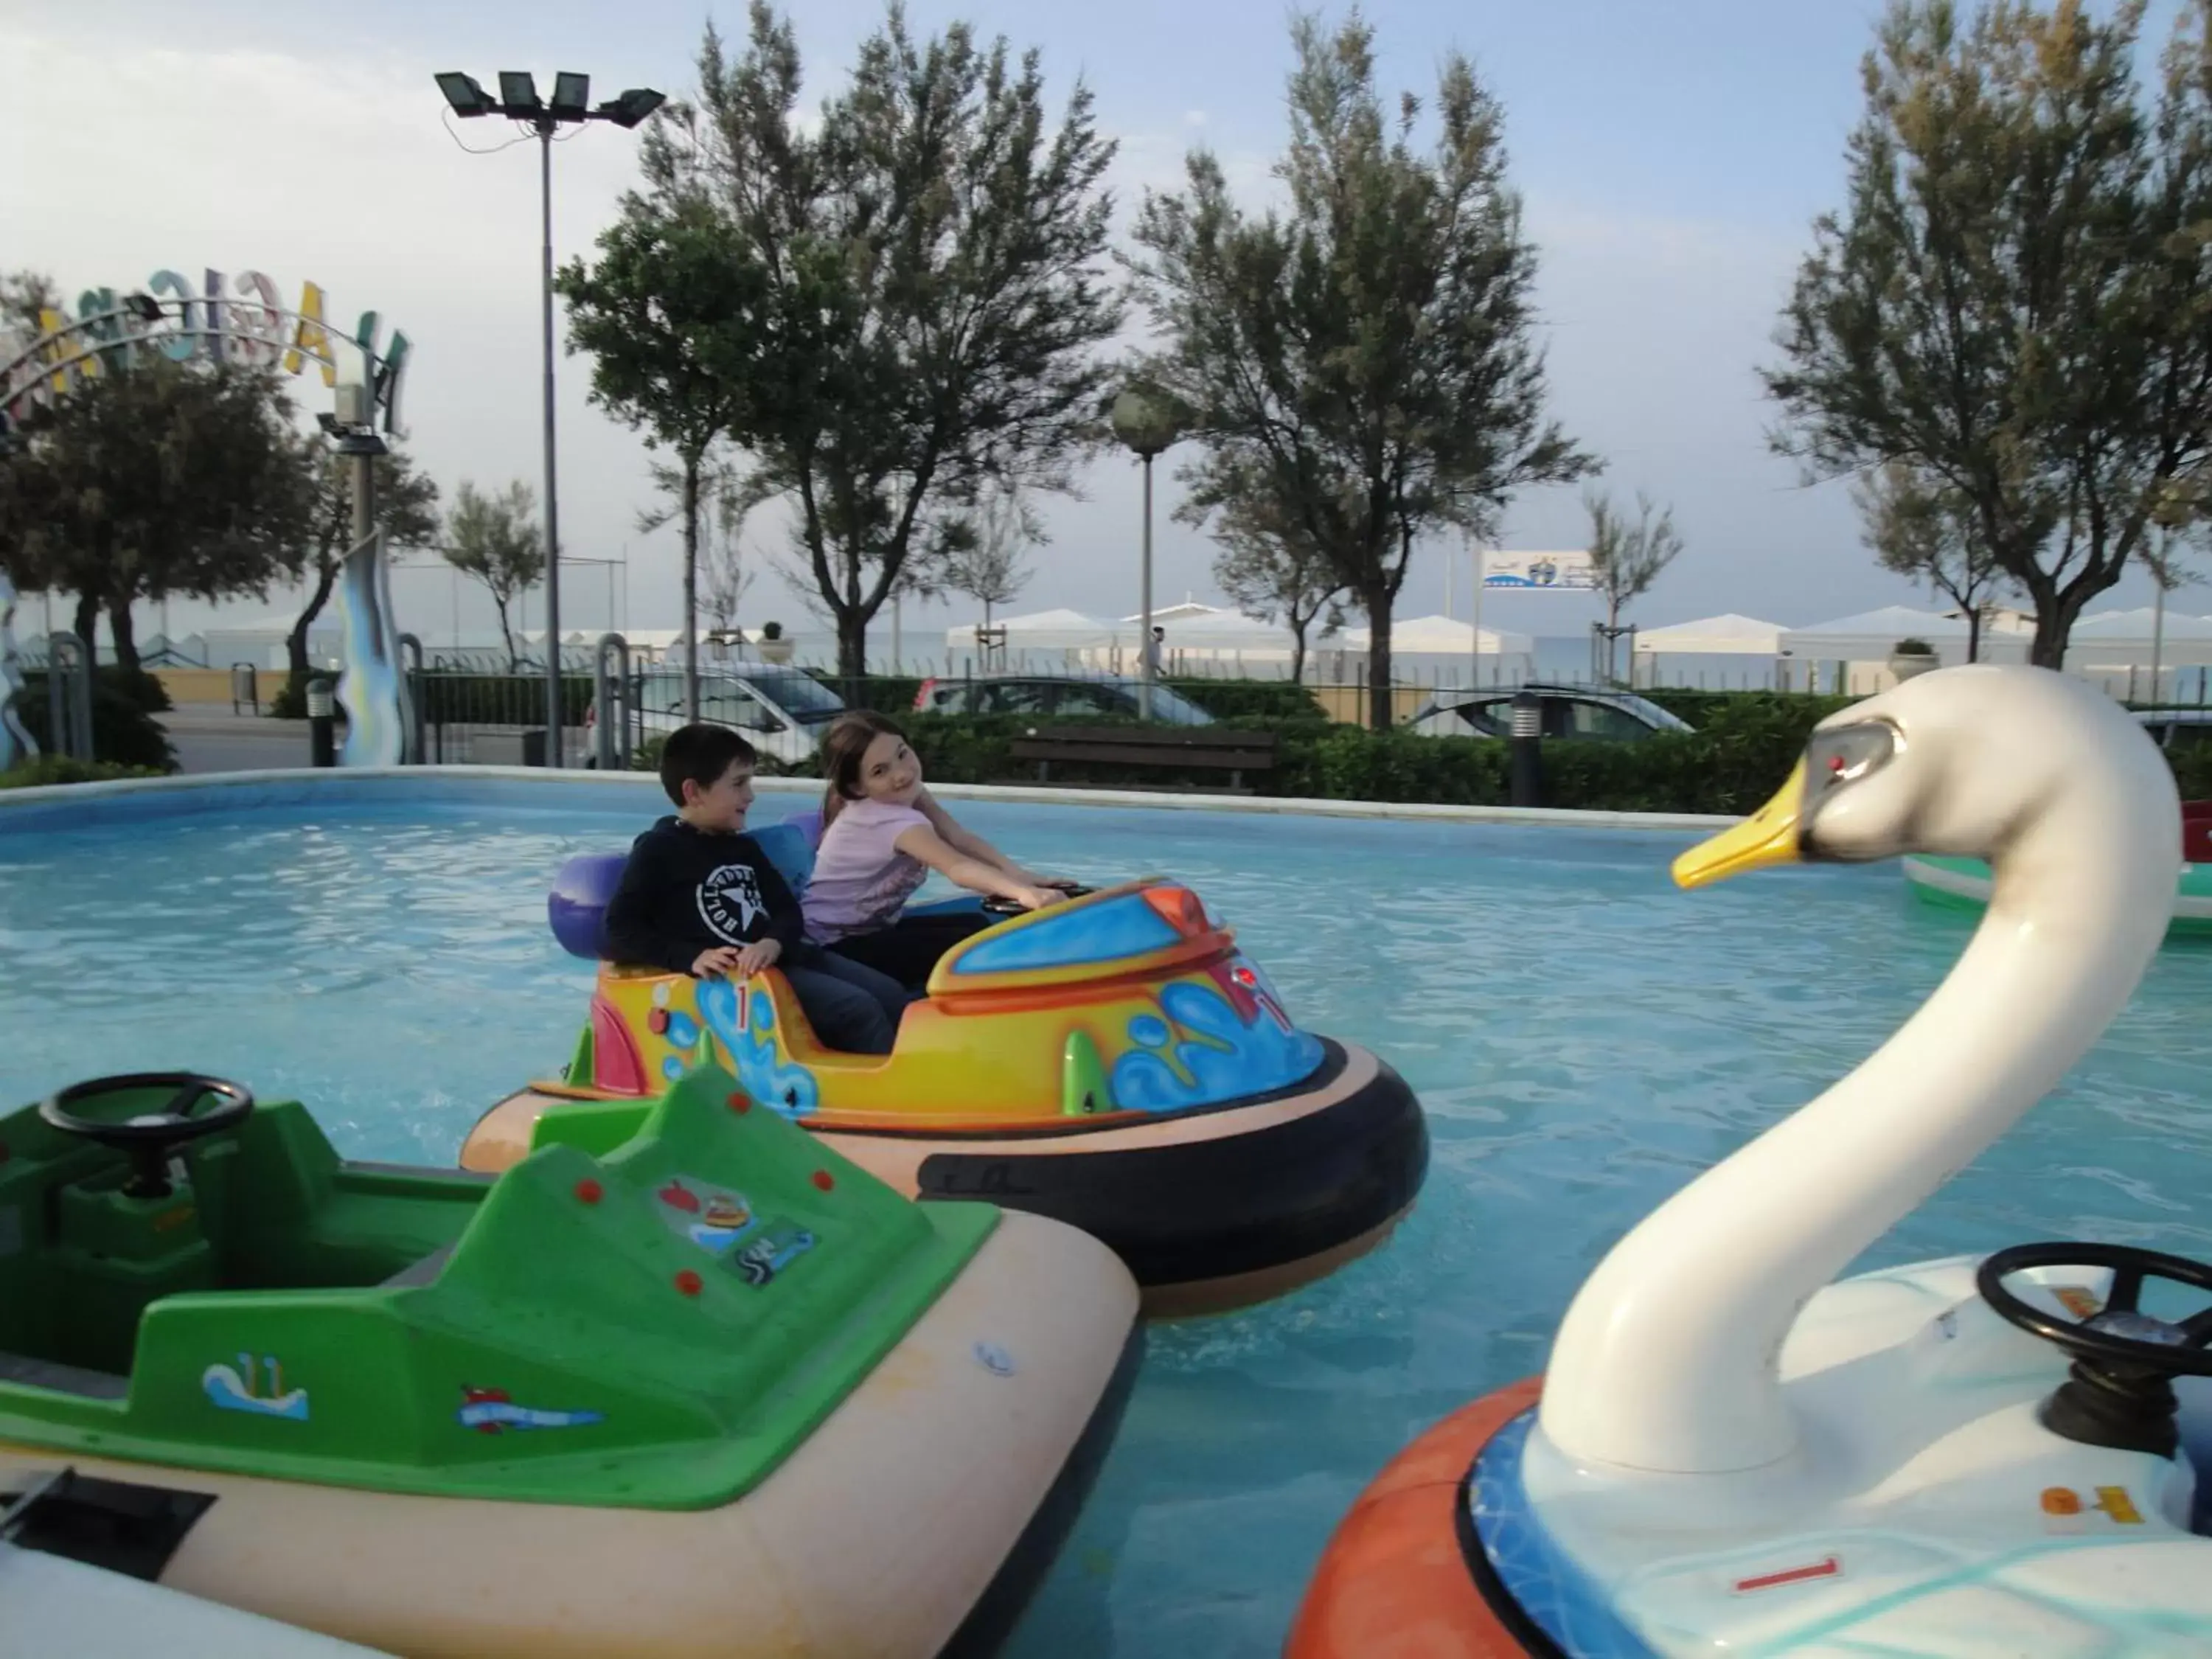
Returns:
(1585, 1038)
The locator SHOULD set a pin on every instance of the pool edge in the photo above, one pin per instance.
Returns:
(1302, 806)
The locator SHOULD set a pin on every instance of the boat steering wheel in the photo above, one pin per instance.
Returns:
(2119, 1391)
(149, 1138)
(996, 905)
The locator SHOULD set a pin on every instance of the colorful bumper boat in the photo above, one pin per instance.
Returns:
(1729, 1453)
(716, 1393)
(1963, 883)
(1114, 1062)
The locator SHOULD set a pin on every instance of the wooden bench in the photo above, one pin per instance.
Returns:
(1185, 747)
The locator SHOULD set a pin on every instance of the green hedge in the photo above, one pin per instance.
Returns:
(1276, 702)
(886, 694)
(58, 769)
(1744, 746)
(1730, 766)
(124, 730)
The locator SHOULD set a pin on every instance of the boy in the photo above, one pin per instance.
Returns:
(697, 897)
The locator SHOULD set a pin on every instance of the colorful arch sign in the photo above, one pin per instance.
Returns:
(240, 320)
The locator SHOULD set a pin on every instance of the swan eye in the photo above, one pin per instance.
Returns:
(1849, 753)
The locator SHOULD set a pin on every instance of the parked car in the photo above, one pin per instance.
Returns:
(1055, 694)
(782, 711)
(1569, 711)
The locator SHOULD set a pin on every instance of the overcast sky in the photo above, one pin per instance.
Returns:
(1672, 158)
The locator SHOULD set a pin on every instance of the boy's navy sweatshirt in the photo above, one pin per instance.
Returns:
(685, 890)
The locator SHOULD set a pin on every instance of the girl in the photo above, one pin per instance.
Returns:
(882, 834)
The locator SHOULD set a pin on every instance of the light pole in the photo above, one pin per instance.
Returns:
(570, 106)
(1147, 422)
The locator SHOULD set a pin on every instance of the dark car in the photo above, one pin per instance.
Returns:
(1064, 695)
(1568, 711)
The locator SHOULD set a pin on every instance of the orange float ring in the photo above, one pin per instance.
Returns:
(1395, 1582)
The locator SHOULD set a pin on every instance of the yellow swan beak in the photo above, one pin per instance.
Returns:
(1767, 836)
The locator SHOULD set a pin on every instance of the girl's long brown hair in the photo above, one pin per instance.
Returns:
(843, 747)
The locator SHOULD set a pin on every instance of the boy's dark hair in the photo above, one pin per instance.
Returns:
(702, 753)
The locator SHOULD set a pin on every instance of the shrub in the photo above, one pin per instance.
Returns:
(886, 694)
(140, 687)
(59, 769)
(123, 733)
(1277, 701)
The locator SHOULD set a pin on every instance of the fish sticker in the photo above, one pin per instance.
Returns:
(233, 1388)
(493, 1411)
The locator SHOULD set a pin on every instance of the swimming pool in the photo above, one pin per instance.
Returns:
(1585, 1036)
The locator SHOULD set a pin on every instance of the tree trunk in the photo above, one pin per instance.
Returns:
(513, 662)
(1299, 648)
(1974, 633)
(2054, 621)
(296, 642)
(1376, 603)
(122, 628)
(852, 643)
(691, 587)
(87, 620)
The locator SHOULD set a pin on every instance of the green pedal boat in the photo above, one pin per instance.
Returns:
(1963, 883)
(716, 1391)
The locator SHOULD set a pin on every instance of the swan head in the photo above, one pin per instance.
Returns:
(1964, 762)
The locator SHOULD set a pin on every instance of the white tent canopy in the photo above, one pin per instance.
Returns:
(1189, 608)
(1222, 630)
(1871, 635)
(260, 640)
(1040, 631)
(1729, 634)
(2122, 639)
(1436, 636)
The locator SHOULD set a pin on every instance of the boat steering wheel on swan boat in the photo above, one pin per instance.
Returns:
(1734, 1452)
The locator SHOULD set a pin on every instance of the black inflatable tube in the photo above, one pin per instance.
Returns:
(1204, 1210)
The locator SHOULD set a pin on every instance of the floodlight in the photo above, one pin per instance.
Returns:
(463, 93)
(572, 95)
(518, 93)
(633, 106)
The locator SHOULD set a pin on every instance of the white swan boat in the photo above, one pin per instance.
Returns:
(1730, 1453)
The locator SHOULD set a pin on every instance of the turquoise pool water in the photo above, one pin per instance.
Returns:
(1585, 1038)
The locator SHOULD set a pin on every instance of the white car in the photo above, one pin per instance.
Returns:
(782, 711)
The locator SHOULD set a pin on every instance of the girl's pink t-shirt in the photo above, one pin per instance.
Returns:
(860, 880)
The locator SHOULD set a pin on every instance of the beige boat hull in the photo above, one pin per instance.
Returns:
(875, 1540)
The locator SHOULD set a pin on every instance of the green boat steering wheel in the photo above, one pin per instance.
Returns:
(149, 1138)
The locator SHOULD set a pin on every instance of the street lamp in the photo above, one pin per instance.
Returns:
(1147, 422)
(570, 106)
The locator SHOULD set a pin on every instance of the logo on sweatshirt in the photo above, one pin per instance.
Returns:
(730, 902)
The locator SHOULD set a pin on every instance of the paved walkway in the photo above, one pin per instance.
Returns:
(209, 738)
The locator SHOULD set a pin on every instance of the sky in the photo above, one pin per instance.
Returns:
(1671, 159)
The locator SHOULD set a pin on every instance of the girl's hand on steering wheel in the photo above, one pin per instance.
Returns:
(1036, 898)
